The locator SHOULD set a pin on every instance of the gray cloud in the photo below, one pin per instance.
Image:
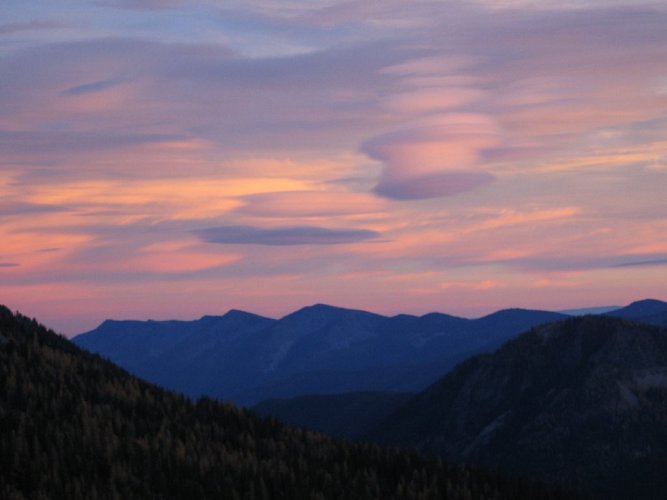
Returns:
(640, 263)
(200, 90)
(144, 4)
(557, 262)
(8, 209)
(11, 28)
(295, 235)
(92, 87)
(8, 264)
(433, 186)
(68, 142)
(344, 67)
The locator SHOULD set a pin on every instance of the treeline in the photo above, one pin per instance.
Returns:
(75, 426)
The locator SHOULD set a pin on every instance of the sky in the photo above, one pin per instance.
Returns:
(170, 158)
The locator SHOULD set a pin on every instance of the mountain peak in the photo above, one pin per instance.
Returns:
(326, 311)
(323, 307)
(516, 313)
(238, 312)
(649, 303)
(642, 309)
(439, 315)
(531, 407)
(232, 314)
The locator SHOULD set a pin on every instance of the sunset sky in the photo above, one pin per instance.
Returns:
(168, 159)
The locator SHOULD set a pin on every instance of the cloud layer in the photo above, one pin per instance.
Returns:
(459, 156)
(297, 235)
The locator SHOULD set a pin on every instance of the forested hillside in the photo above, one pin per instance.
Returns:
(77, 427)
(348, 415)
(581, 402)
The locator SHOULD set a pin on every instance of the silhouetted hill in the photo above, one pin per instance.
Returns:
(346, 415)
(647, 311)
(316, 350)
(582, 402)
(77, 427)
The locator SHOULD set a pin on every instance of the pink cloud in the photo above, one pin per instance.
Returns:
(431, 99)
(284, 236)
(297, 204)
(440, 156)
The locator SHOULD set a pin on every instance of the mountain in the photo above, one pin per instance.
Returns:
(647, 311)
(581, 402)
(348, 415)
(75, 426)
(180, 355)
(318, 349)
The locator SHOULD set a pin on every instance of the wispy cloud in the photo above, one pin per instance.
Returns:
(144, 4)
(296, 235)
(11, 28)
(22, 209)
(92, 87)
(301, 204)
(18, 142)
(640, 263)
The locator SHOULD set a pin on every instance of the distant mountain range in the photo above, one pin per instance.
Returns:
(77, 427)
(590, 310)
(320, 349)
(651, 311)
(581, 402)
(325, 412)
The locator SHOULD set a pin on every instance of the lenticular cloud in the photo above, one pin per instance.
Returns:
(437, 157)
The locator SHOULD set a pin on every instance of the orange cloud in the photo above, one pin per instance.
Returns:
(175, 198)
(510, 217)
(160, 259)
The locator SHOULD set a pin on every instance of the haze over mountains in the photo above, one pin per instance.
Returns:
(590, 310)
(320, 349)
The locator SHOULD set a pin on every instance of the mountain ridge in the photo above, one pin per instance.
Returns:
(286, 357)
(577, 401)
(650, 311)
